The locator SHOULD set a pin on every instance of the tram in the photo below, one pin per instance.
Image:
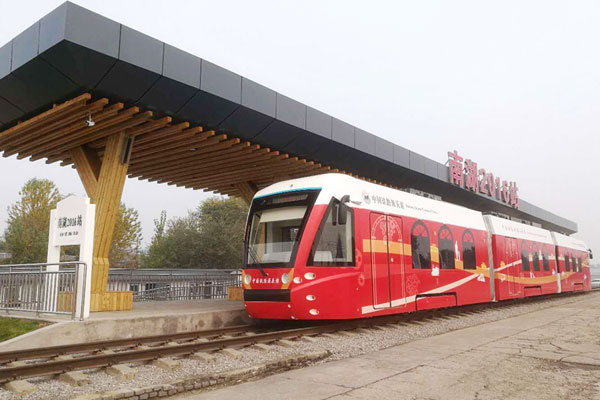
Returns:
(336, 247)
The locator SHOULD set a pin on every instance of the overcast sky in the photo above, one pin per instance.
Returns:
(514, 85)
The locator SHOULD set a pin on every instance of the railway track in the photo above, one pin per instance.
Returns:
(47, 361)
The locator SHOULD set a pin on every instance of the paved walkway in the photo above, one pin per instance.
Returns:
(156, 308)
(548, 354)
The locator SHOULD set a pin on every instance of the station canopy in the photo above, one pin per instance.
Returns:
(75, 78)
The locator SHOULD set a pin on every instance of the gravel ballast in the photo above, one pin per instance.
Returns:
(339, 346)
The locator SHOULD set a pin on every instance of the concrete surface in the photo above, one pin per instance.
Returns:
(146, 319)
(549, 354)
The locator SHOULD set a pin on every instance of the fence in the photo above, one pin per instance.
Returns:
(37, 288)
(154, 285)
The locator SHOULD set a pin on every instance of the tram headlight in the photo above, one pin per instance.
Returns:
(297, 280)
(309, 276)
(247, 279)
(285, 278)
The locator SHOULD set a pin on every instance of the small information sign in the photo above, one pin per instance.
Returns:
(72, 223)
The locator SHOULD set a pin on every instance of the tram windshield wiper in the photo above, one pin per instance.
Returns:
(254, 256)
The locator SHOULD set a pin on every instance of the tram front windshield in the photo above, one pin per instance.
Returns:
(276, 224)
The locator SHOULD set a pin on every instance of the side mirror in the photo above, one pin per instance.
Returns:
(342, 210)
(591, 254)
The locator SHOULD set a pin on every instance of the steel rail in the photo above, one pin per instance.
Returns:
(53, 367)
(53, 351)
(105, 360)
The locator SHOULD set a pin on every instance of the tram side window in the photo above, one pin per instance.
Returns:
(446, 246)
(525, 256)
(567, 264)
(468, 250)
(536, 259)
(421, 247)
(545, 260)
(334, 243)
(573, 264)
(579, 269)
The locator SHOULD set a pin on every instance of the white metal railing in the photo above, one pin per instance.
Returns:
(40, 289)
(167, 285)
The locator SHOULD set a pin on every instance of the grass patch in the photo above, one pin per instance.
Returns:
(12, 327)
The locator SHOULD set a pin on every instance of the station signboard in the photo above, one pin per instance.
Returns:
(464, 173)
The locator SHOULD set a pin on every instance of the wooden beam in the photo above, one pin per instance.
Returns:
(275, 174)
(88, 167)
(246, 190)
(189, 136)
(119, 124)
(184, 147)
(67, 117)
(140, 130)
(150, 126)
(53, 113)
(191, 159)
(102, 119)
(199, 167)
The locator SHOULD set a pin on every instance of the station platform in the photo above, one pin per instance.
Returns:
(146, 319)
(552, 353)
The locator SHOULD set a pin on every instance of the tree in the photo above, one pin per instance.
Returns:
(176, 247)
(212, 236)
(221, 232)
(26, 235)
(156, 251)
(127, 238)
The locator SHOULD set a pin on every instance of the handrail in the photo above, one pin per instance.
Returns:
(46, 295)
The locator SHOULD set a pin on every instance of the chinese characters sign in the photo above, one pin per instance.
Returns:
(69, 221)
(465, 174)
(69, 226)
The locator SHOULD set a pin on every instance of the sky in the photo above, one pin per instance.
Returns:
(513, 85)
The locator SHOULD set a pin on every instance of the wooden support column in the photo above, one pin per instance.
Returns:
(88, 167)
(103, 182)
(247, 190)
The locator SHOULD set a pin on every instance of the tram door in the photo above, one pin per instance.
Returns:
(512, 253)
(387, 261)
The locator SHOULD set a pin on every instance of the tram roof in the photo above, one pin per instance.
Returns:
(195, 124)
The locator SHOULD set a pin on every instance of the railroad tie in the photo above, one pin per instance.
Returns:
(167, 363)
(380, 328)
(75, 378)
(330, 335)
(263, 347)
(122, 372)
(13, 364)
(20, 387)
(64, 357)
(286, 343)
(308, 339)
(233, 353)
(205, 357)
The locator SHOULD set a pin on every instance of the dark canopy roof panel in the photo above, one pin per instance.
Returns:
(72, 51)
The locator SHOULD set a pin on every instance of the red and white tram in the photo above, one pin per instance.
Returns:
(335, 247)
